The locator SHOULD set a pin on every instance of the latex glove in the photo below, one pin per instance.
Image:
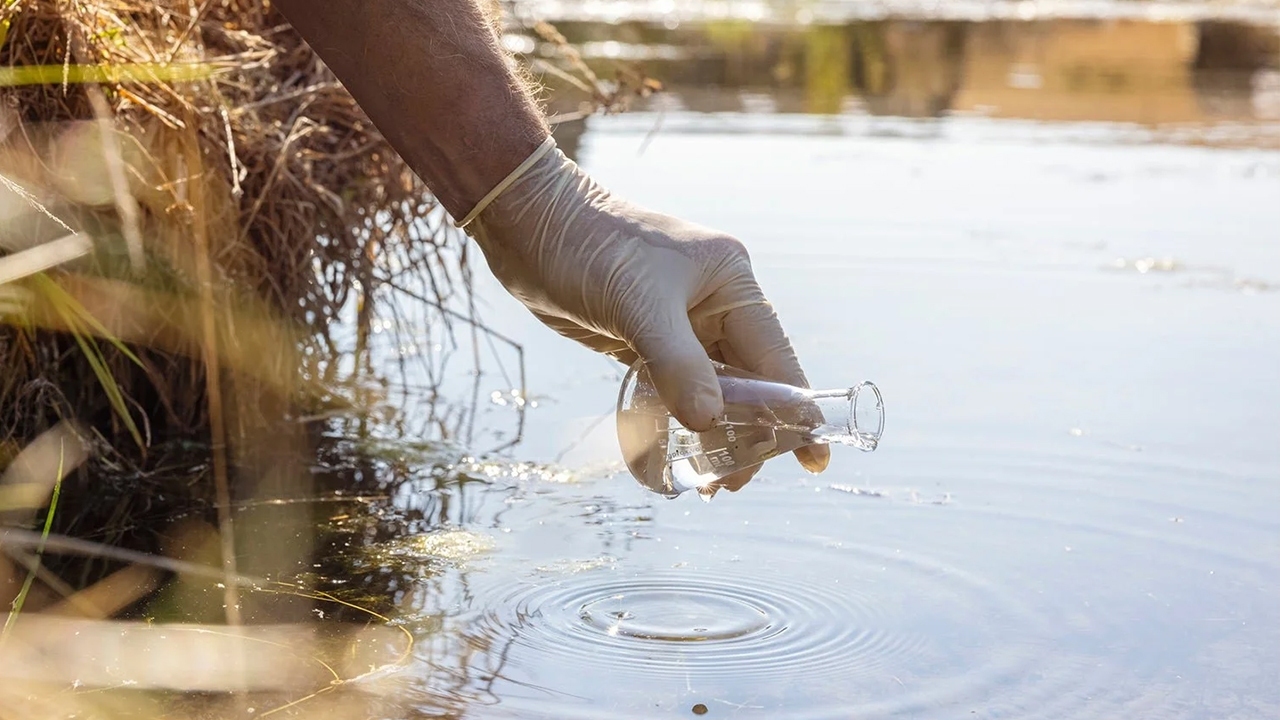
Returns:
(632, 283)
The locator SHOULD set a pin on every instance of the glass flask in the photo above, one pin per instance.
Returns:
(762, 418)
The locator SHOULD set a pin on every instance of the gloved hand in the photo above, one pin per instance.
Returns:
(633, 283)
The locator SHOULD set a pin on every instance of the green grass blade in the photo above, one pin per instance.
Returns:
(15, 76)
(21, 598)
(93, 354)
(76, 317)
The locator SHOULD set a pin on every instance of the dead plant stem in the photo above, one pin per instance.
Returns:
(213, 381)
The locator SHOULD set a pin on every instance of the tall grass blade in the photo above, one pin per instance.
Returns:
(117, 73)
(75, 317)
(21, 598)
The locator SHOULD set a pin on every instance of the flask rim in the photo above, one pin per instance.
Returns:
(876, 410)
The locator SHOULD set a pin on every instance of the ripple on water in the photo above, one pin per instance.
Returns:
(671, 612)
(797, 639)
(704, 624)
(981, 605)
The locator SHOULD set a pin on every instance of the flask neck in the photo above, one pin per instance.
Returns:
(854, 416)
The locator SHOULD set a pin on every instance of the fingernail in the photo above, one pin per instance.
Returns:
(698, 410)
(814, 458)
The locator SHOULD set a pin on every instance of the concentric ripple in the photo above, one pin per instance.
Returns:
(676, 612)
(708, 625)
(697, 623)
(1049, 586)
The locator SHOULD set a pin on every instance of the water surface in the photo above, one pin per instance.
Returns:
(1074, 316)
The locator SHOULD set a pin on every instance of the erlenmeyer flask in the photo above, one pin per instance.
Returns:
(762, 418)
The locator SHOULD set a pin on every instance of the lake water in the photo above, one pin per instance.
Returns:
(1069, 294)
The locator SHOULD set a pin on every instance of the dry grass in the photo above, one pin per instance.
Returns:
(188, 200)
(216, 122)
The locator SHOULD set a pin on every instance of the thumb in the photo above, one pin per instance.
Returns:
(679, 368)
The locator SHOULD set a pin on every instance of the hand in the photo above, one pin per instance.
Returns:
(633, 283)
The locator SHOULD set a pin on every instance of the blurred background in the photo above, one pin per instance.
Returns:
(1150, 65)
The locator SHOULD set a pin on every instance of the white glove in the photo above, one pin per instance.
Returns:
(633, 283)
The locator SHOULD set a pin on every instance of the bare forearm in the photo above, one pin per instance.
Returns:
(434, 80)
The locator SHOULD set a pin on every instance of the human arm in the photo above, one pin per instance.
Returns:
(432, 77)
(620, 279)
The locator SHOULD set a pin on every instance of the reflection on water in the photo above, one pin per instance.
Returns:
(1099, 70)
(804, 12)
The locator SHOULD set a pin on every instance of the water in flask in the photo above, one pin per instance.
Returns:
(762, 418)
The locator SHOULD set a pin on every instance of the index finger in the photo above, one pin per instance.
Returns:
(755, 337)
